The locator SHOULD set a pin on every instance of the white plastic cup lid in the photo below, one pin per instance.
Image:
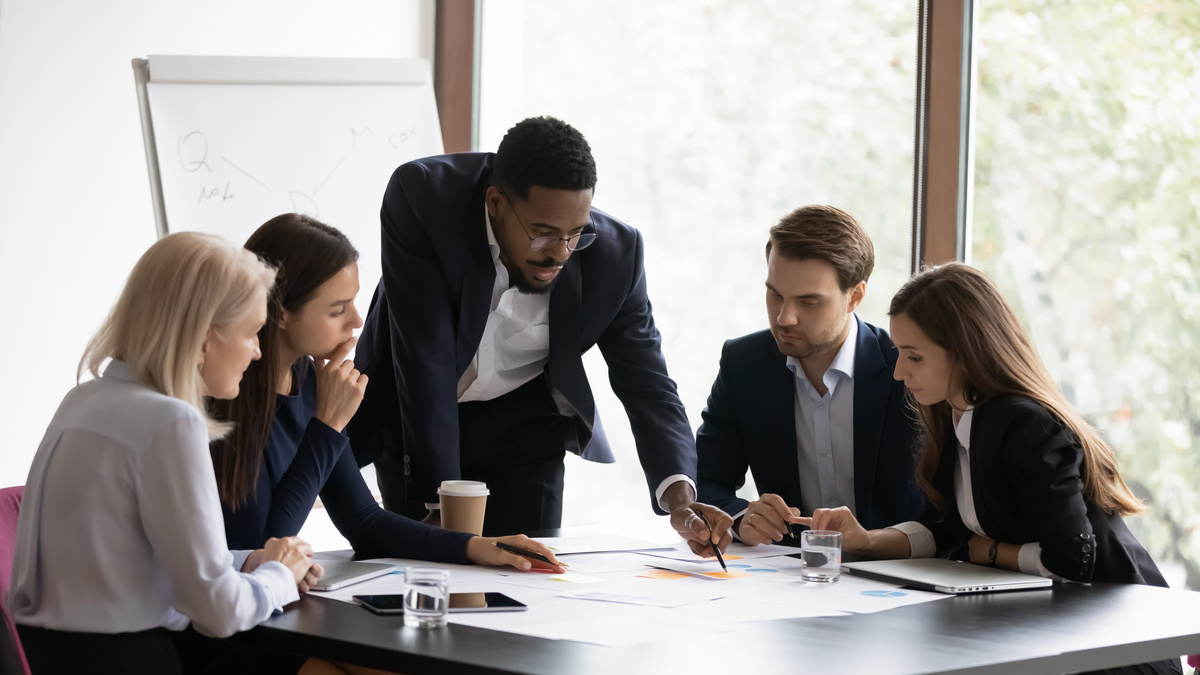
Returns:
(464, 488)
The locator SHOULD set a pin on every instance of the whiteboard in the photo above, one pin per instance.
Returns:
(232, 142)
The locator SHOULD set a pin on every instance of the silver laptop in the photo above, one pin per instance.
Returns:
(946, 576)
(344, 573)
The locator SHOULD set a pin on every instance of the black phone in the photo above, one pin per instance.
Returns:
(459, 602)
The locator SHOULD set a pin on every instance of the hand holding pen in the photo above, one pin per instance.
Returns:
(767, 520)
(516, 551)
(707, 529)
(716, 551)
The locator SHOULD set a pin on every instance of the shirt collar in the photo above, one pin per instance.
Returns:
(120, 370)
(842, 363)
(962, 430)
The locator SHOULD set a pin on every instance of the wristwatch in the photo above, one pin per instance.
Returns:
(992, 550)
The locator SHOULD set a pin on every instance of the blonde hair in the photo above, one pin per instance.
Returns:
(182, 287)
(960, 310)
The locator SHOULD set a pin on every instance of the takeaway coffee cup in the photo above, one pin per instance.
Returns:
(463, 503)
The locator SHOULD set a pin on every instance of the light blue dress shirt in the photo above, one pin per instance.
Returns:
(825, 430)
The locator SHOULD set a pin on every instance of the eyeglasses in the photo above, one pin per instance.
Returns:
(574, 242)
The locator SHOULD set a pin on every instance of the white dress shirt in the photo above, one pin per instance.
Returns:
(825, 430)
(516, 339)
(515, 346)
(121, 527)
(920, 539)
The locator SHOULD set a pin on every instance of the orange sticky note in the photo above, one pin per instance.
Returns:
(662, 574)
(726, 575)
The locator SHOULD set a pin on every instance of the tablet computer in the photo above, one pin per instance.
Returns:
(343, 573)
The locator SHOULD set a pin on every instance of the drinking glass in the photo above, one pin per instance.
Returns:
(821, 551)
(426, 597)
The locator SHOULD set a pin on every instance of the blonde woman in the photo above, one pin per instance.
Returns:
(121, 563)
(1012, 475)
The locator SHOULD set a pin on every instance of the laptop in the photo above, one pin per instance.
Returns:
(945, 576)
(344, 573)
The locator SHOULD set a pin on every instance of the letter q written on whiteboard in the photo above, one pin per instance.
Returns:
(232, 155)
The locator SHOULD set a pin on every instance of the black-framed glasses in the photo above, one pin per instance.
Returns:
(574, 242)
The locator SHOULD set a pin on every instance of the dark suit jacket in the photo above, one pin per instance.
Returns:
(432, 303)
(750, 421)
(1027, 487)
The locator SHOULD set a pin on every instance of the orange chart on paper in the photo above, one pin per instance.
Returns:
(726, 575)
(662, 574)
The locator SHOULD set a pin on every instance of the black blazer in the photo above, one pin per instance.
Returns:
(430, 308)
(1027, 487)
(750, 421)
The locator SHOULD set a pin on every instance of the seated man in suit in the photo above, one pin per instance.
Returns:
(810, 406)
(497, 276)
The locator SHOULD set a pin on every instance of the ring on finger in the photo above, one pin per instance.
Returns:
(687, 522)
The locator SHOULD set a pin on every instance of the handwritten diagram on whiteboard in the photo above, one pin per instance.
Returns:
(232, 156)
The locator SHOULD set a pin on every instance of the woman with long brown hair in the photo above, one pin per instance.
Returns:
(1012, 475)
(289, 444)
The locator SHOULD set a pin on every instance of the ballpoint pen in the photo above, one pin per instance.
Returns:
(528, 554)
(716, 550)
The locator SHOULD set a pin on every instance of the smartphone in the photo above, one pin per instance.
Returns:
(459, 602)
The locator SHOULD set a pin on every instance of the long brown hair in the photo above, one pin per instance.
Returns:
(307, 253)
(959, 309)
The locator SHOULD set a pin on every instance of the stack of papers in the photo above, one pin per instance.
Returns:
(620, 591)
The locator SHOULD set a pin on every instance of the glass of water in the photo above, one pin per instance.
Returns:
(426, 596)
(821, 551)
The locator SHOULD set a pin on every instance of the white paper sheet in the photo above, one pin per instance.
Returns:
(597, 544)
(664, 609)
(734, 551)
(595, 563)
(649, 593)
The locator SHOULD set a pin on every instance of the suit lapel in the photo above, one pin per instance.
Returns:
(777, 407)
(479, 277)
(872, 386)
(565, 370)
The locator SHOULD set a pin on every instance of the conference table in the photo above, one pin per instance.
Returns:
(1069, 628)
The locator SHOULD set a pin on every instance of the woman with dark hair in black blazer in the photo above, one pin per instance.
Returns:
(1009, 470)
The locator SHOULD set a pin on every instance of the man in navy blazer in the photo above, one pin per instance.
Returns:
(810, 406)
(497, 276)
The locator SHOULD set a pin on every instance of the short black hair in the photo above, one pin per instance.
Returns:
(543, 151)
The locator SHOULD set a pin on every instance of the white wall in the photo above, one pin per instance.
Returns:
(75, 209)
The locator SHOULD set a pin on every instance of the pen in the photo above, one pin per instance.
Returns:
(716, 550)
(522, 552)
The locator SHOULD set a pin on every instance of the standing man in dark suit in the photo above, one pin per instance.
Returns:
(810, 406)
(497, 276)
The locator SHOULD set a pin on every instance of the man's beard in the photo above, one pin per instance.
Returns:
(524, 285)
(827, 342)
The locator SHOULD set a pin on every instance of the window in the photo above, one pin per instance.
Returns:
(1086, 196)
(751, 110)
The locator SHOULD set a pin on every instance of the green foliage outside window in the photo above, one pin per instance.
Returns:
(1087, 214)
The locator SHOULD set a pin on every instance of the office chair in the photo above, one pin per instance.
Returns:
(12, 656)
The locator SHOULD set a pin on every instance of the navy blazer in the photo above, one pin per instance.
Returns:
(429, 311)
(750, 421)
(1027, 486)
